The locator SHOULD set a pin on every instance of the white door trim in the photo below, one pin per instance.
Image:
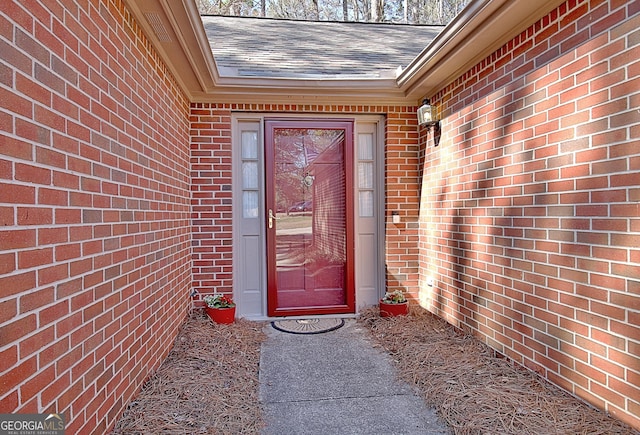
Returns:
(249, 226)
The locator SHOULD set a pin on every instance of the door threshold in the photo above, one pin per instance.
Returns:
(319, 316)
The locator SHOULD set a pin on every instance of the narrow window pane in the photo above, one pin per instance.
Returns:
(250, 204)
(249, 145)
(365, 175)
(249, 175)
(366, 203)
(365, 146)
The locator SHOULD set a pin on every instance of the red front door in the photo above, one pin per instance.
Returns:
(309, 222)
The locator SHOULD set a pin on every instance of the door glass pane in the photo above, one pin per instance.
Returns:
(366, 203)
(365, 146)
(249, 175)
(310, 195)
(365, 175)
(249, 140)
(250, 204)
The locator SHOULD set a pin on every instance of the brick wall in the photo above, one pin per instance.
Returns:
(211, 198)
(211, 174)
(402, 181)
(95, 267)
(530, 215)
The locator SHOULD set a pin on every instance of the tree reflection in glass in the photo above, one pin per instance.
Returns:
(310, 204)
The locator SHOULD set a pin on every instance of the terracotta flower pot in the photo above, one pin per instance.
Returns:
(222, 315)
(391, 310)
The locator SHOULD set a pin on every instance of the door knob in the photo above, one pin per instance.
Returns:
(272, 218)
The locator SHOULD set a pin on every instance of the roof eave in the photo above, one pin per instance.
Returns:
(480, 29)
(305, 91)
(173, 32)
(187, 54)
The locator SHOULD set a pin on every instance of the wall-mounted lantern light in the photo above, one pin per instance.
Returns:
(427, 114)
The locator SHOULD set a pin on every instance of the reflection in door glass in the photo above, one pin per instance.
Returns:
(310, 197)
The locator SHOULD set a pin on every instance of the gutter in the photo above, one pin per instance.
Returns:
(481, 28)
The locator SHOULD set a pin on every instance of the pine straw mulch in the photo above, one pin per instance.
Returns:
(473, 391)
(208, 383)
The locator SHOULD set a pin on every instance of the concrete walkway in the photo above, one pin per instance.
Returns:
(336, 383)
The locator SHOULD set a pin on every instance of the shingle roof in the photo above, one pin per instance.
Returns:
(260, 47)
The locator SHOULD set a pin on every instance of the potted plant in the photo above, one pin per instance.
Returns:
(220, 308)
(394, 304)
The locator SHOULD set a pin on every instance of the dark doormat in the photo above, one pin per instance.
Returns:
(308, 326)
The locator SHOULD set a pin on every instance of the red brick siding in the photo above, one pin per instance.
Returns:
(95, 266)
(530, 219)
(211, 174)
(211, 210)
(402, 181)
